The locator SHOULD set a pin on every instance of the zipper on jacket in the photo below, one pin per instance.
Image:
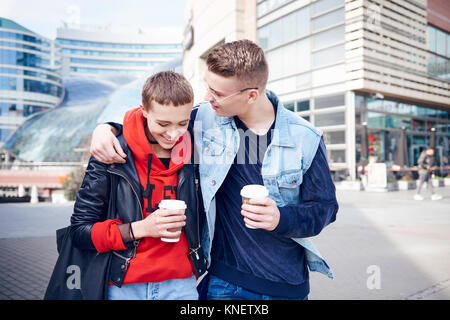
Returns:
(134, 191)
(136, 243)
(127, 260)
(198, 218)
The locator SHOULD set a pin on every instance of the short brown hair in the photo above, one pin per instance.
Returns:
(243, 59)
(167, 87)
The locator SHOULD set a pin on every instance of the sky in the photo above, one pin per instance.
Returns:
(45, 16)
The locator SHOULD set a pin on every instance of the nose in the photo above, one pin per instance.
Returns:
(208, 96)
(174, 134)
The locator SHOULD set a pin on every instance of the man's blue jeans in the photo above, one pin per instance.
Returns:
(219, 289)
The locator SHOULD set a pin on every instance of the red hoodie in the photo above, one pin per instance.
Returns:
(155, 260)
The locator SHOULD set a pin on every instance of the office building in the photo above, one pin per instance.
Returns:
(344, 63)
(90, 51)
(30, 76)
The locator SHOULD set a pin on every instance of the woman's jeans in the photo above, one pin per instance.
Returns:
(219, 289)
(173, 289)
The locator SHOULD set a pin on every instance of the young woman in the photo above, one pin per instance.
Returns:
(117, 205)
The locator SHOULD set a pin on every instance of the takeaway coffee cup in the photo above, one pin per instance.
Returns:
(253, 191)
(172, 205)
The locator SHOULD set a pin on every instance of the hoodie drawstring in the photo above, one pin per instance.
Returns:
(148, 190)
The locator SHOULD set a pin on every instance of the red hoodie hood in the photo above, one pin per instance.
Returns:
(161, 183)
(134, 133)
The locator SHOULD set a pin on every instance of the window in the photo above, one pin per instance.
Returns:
(303, 105)
(330, 119)
(441, 44)
(431, 38)
(286, 29)
(329, 101)
(329, 37)
(325, 5)
(302, 18)
(290, 59)
(337, 137)
(336, 156)
(328, 56)
(328, 19)
(290, 106)
(303, 81)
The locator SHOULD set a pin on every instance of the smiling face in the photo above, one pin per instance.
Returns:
(167, 123)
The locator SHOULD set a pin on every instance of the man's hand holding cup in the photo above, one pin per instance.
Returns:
(259, 211)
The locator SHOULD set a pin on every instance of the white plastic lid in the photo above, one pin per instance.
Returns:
(172, 204)
(254, 191)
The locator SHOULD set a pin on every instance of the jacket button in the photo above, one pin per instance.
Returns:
(118, 279)
(122, 267)
(213, 182)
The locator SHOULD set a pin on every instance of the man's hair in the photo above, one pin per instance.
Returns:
(243, 59)
(167, 87)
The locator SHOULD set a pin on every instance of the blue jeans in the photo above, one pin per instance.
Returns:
(173, 289)
(219, 289)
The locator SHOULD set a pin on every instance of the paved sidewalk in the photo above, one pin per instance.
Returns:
(25, 267)
(403, 242)
(28, 247)
(408, 241)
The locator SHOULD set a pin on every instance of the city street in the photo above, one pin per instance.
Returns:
(382, 246)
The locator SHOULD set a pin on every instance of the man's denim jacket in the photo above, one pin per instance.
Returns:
(289, 155)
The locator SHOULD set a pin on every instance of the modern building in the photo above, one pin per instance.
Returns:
(344, 63)
(89, 50)
(61, 136)
(30, 77)
(211, 23)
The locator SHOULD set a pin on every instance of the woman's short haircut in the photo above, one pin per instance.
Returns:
(167, 87)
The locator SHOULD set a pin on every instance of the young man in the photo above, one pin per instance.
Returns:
(426, 162)
(244, 135)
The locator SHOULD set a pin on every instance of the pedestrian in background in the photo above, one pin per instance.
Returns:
(426, 162)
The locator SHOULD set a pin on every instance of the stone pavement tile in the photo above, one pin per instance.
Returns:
(26, 267)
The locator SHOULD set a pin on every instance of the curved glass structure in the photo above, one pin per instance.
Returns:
(30, 81)
(61, 134)
(130, 96)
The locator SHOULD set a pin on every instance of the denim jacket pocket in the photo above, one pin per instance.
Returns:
(289, 187)
(213, 152)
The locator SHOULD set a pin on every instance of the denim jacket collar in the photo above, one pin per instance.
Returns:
(281, 136)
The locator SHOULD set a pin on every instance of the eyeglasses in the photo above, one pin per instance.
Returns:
(219, 101)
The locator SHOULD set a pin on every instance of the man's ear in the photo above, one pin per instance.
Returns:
(253, 96)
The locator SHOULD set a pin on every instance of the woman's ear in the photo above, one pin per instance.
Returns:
(144, 113)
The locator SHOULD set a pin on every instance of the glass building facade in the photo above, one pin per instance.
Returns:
(62, 134)
(312, 48)
(385, 119)
(58, 135)
(30, 79)
(439, 52)
(304, 48)
(84, 53)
